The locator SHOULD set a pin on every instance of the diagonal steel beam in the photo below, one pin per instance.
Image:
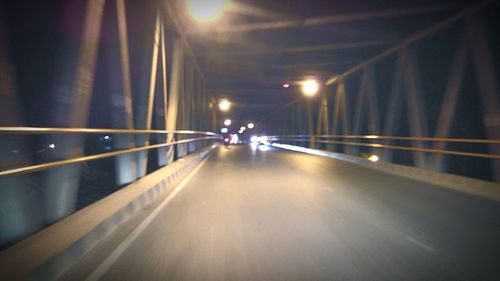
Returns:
(414, 38)
(449, 103)
(342, 18)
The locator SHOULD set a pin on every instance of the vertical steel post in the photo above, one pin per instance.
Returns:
(60, 192)
(125, 165)
(418, 120)
(20, 209)
(449, 104)
(485, 72)
(174, 91)
(391, 119)
(310, 124)
(162, 152)
(182, 120)
(360, 99)
(340, 107)
(145, 114)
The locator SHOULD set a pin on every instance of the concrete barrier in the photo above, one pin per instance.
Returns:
(49, 253)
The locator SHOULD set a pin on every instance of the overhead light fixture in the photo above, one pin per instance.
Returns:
(206, 10)
(310, 87)
(224, 105)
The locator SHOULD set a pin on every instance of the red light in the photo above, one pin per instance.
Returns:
(286, 85)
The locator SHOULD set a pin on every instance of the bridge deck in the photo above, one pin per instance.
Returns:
(277, 215)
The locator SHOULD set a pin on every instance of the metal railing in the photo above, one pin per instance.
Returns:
(52, 164)
(364, 105)
(330, 139)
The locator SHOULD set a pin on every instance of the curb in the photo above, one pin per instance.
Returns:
(45, 257)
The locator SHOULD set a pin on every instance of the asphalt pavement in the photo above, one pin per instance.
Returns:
(270, 214)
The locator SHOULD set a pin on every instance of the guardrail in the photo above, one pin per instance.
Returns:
(52, 164)
(319, 139)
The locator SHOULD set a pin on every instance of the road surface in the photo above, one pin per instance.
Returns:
(252, 214)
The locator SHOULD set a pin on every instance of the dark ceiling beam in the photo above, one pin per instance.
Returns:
(303, 49)
(342, 18)
(340, 46)
(238, 65)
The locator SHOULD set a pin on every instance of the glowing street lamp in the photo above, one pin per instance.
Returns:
(227, 122)
(206, 10)
(250, 125)
(224, 105)
(310, 87)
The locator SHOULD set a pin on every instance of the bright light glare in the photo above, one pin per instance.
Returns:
(254, 139)
(264, 148)
(373, 158)
(286, 85)
(226, 140)
(250, 125)
(223, 130)
(263, 140)
(206, 10)
(234, 138)
(52, 146)
(224, 105)
(227, 122)
(242, 128)
(310, 87)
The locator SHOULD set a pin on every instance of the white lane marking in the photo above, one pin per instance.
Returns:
(111, 259)
(420, 244)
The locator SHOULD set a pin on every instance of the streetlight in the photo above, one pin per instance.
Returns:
(310, 87)
(206, 10)
(243, 128)
(250, 125)
(223, 130)
(227, 122)
(224, 105)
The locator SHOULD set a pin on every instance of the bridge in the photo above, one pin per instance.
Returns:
(249, 140)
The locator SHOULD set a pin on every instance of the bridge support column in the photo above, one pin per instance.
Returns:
(72, 106)
(125, 165)
(483, 61)
(173, 101)
(20, 211)
(144, 117)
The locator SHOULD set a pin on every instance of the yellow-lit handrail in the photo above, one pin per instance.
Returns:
(375, 137)
(45, 130)
(44, 166)
(407, 148)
